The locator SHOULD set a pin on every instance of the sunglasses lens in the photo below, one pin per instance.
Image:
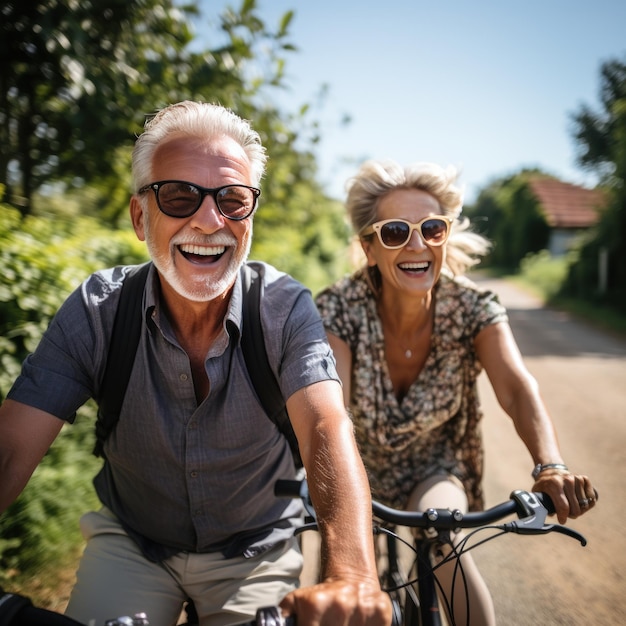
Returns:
(236, 201)
(178, 199)
(395, 234)
(434, 231)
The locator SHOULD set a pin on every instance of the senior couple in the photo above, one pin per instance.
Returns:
(188, 510)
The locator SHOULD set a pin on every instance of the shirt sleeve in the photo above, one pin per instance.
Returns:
(59, 376)
(295, 337)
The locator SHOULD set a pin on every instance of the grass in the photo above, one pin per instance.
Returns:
(599, 316)
(542, 275)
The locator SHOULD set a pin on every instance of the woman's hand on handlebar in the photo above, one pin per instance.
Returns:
(572, 494)
(339, 603)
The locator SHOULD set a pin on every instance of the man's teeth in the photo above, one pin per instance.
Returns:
(415, 266)
(203, 250)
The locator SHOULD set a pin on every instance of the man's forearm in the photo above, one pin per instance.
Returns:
(341, 496)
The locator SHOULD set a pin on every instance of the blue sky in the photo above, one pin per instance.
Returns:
(486, 85)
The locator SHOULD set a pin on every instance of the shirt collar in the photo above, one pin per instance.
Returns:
(152, 309)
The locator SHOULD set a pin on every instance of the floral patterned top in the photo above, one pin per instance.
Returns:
(435, 428)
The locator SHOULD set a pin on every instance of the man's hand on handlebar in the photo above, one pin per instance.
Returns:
(339, 603)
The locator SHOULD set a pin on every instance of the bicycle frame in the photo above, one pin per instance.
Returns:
(418, 607)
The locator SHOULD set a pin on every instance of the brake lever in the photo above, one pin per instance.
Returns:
(569, 532)
(535, 521)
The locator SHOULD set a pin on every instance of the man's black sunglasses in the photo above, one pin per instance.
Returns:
(178, 198)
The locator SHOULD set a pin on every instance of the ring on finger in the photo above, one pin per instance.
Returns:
(584, 502)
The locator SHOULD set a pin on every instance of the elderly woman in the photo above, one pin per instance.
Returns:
(411, 335)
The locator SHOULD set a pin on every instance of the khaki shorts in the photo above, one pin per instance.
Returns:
(115, 579)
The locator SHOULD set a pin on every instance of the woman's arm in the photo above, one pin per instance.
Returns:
(518, 394)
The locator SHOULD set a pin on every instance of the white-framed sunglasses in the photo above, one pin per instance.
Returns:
(396, 233)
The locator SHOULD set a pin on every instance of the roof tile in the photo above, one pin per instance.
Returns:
(566, 205)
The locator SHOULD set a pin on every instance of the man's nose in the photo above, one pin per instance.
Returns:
(208, 216)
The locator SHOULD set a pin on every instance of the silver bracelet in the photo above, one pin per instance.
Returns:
(546, 466)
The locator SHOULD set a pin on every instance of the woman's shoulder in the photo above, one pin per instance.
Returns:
(462, 300)
(350, 289)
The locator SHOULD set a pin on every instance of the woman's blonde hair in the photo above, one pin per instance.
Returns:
(375, 179)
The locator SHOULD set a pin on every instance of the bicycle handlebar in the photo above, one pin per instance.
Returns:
(531, 508)
(18, 610)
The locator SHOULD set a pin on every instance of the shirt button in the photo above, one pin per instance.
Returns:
(184, 377)
(193, 425)
(193, 474)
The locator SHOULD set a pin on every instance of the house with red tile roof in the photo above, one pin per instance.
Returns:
(569, 210)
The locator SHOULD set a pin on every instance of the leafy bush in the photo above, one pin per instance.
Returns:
(41, 261)
(544, 272)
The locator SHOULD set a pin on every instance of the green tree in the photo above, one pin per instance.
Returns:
(508, 214)
(78, 79)
(601, 148)
(72, 80)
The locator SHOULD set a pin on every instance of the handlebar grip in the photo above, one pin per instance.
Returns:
(528, 503)
(545, 499)
(30, 615)
(10, 605)
(272, 616)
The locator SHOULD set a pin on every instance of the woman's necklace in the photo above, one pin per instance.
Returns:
(406, 349)
(408, 353)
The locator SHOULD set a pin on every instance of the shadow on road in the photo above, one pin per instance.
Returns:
(546, 331)
(561, 335)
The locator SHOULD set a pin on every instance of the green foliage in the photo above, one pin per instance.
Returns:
(545, 276)
(299, 230)
(75, 80)
(41, 260)
(601, 143)
(42, 525)
(78, 79)
(599, 135)
(508, 214)
(545, 273)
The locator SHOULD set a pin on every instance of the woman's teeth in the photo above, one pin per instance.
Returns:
(421, 267)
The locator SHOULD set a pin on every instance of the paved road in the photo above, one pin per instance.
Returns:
(552, 580)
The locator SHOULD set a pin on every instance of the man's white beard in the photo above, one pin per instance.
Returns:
(202, 290)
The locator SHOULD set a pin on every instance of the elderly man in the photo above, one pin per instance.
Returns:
(188, 509)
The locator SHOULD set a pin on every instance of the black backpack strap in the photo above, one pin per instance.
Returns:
(255, 355)
(121, 355)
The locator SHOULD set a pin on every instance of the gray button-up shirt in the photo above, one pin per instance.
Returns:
(181, 475)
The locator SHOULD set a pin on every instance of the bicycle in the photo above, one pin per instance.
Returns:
(416, 601)
(18, 610)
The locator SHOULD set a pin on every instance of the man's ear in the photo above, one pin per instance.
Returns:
(136, 217)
